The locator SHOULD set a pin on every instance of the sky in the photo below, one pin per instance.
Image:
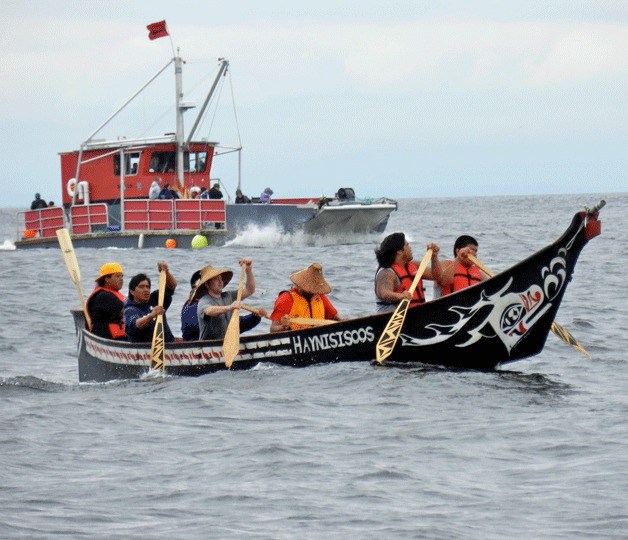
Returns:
(403, 99)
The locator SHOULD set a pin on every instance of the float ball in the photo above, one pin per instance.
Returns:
(171, 243)
(199, 241)
(29, 233)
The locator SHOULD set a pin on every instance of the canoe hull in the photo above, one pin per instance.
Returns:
(504, 319)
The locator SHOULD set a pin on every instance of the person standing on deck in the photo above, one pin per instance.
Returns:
(38, 202)
(155, 189)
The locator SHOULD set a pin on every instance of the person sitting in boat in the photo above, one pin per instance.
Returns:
(459, 273)
(240, 198)
(189, 315)
(38, 202)
(214, 192)
(105, 303)
(141, 308)
(155, 189)
(307, 299)
(215, 306)
(396, 272)
(265, 196)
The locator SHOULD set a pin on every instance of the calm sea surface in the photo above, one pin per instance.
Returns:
(538, 449)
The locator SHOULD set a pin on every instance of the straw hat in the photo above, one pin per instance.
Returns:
(109, 268)
(311, 280)
(208, 272)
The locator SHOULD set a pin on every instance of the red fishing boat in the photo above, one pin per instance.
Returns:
(105, 186)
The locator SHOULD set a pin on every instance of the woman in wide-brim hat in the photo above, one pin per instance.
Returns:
(307, 299)
(215, 305)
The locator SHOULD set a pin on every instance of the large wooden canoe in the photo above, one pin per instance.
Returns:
(501, 320)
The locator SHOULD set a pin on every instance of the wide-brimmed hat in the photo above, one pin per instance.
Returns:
(208, 272)
(109, 268)
(311, 280)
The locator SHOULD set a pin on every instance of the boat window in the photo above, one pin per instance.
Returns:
(161, 162)
(195, 162)
(131, 161)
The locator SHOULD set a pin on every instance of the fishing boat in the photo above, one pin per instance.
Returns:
(504, 319)
(105, 187)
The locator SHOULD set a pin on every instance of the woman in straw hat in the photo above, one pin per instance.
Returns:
(307, 299)
(105, 303)
(396, 272)
(215, 306)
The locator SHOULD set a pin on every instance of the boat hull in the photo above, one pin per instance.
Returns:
(501, 320)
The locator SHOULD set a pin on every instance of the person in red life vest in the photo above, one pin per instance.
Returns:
(396, 272)
(105, 303)
(460, 272)
(307, 299)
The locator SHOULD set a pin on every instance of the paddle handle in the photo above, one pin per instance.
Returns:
(231, 343)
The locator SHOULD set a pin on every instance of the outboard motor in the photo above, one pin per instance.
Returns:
(345, 194)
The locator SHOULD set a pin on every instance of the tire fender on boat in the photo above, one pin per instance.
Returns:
(70, 187)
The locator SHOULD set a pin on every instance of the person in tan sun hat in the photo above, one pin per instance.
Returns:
(307, 299)
(215, 306)
(106, 302)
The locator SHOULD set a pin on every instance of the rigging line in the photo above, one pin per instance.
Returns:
(235, 114)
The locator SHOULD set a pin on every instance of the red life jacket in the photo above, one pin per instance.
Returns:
(406, 277)
(116, 329)
(464, 277)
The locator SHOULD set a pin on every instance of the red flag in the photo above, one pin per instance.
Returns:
(157, 30)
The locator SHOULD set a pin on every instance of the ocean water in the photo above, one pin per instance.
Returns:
(538, 449)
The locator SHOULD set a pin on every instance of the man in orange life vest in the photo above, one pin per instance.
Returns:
(307, 299)
(460, 272)
(105, 303)
(397, 270)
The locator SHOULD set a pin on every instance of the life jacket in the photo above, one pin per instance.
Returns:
(314, 308)
(464, 277)
(406, 277)
(116, 329)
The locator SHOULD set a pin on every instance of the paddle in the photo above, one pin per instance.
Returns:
(157, 346)
(297, 320)
(387, 340)
(561, 332)
(231, 344)
(65, 243)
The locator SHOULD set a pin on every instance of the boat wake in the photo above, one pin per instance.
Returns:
(7, 246)
(273, 235)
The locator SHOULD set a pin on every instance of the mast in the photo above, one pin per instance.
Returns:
(179, 135)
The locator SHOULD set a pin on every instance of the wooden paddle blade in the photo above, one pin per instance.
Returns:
(71, 262)
(158, 344)
(388, 339)
(231, 343)
(561, 332)
(566, 336)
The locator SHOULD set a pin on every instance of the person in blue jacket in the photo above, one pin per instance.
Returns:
(141, 308)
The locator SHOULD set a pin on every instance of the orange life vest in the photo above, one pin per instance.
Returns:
(464, 277)
(314, 308)
(406, 277)
(116, 329)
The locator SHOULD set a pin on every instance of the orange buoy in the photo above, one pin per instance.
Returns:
(171, 243)
(29, 233)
